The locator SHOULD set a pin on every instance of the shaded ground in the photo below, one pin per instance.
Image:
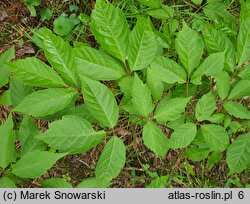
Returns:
(141, 165)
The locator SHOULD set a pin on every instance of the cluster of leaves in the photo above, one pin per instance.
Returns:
(199, 94)
(64, 24)
(67, 24)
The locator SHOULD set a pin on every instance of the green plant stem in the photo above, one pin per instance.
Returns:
(187, 85)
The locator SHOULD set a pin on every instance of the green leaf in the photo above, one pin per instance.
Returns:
(169, 10)
(176, 123)
(7, 56)
(196, 154)
(110, 28)
(112, 160)
(45, 14)
(154, 83)
(46, 102)
(84, 18)
(170, 109)
(223, 20)
(74, 19)
(126, 84)
(7, 139)
(26, 135)
(197, 2)
(155, 139)
(63, 25)
(243, 43)
(4, 75)
(32, 10)
(97, 65)
(217, 41)
(245, 72)
(35, 164)
(6, 182)
(161, 13)
(61, 56)
(169, 71)
(18, 90)
(227, 121)
(159, 182)
(205, 106)
(211, 66)
(223, 84)
(151, 3)
(214, 63)
(141, 97)
(234, 126)
(72, 134)
(5, 99)
(244, 10)
(216, 118)
(73, 8)
(215, 9)
(238, 154)
(215, 136)
(83, 112)
(183, 136)
(56, 183)
(242, 88)
(94, 183)
(142, 45)
(127, 105)
(246, 123)
(180, 90)
(199, 141)
(189, 48)
(213, 159)
(33, 2)
(34, 72)
(237, 110)
(100, 102)
(4, 70)
(62, 112)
